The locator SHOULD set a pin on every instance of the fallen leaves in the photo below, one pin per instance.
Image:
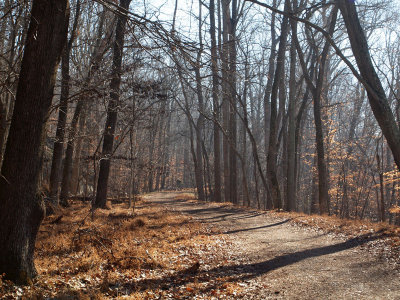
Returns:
(150, 255)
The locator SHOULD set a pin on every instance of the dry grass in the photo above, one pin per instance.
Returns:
(185, 196)
(116, 253)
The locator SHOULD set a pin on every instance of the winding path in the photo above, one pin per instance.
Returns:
(279, 260)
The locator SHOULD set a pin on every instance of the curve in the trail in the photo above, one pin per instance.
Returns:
(295, 263)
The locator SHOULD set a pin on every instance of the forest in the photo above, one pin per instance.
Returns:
(118, 117)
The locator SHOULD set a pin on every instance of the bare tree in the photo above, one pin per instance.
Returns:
(21, 205)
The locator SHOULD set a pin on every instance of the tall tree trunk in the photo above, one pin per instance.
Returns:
(200, 121)
(21, 206)
(80, 110)
(273, 129)
(323, 178)
(233, 106)
(246, 197)
(381, 204)
(225, 96)
(291, 148)
(317, 89)
(151, 165)
(216, 113)
(267, 92)
(166, 154)
(186, 167)
(62, 114)
(108, 141)
(69, 153)
(376, 94)
(74, 184)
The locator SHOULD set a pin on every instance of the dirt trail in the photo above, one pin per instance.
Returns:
(274, 259)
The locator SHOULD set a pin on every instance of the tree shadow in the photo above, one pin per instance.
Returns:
(255, 228)
(243, 272)
(203, 214)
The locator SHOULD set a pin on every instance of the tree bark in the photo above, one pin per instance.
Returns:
(323, 179)
(225, 96)
(233, 106)
(80, 111)
(291, 147)
(62, 114)
(376, 94)
(108, 141)
(273, 129)
(21, 206)
(216, 113)
(200, 120)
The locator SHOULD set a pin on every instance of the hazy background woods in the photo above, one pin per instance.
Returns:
(227, 97)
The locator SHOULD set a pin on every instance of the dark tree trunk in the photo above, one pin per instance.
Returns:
(200, 121)
(75, 167)
(268, 87)
(216, 113)
(66, 174)
(267, 94)
(233, 106)
(21, 206)
(376, 94)
(323, 179)
(62, 121)
(165, 166)
(62, 114)
(80, 112)
(225, 96)
(291, 143)
(273, 130)
(108, 142)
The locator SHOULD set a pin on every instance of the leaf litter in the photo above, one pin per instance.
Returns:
(150, 254)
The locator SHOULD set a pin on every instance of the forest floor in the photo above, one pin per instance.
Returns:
(174, 247)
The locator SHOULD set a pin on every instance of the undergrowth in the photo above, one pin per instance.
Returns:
(118, 254)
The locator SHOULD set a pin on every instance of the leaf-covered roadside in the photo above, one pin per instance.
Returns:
(387, 242)
(150, 254)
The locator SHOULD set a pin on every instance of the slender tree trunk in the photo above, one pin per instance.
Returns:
(323, 178)
(381, 204)
(267, 93)
(200, 121)
(272, 147)
(291, 148)
(81, 110)
(225, 96)
(62, 121)
(74, 184)
(151, 165)
(69, 153)
(317, 89)
(113, 104)
(270, 80)
(186, 164)
(216, 113)
(233, 106)
(58, 148)
(21, 206)
(166, 155)
(246, 196)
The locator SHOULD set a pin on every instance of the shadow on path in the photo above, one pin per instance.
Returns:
(255, 228)
(207, 214)
(243, 272)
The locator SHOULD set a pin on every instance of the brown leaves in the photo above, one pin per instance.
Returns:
(152, 254)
